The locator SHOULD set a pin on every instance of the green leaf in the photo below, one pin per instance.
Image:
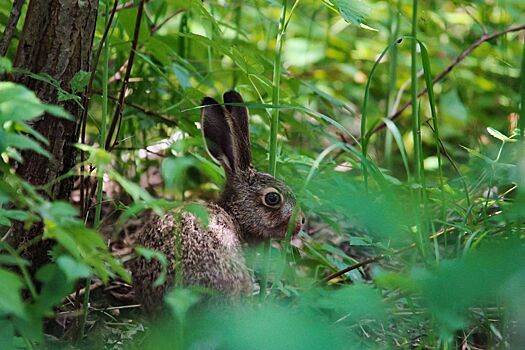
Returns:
(72, 268)
(495, 133)
(182, 75)
(477, 154)
(199, 211)
(79, 81)
(452, 106)
(67, 96)
(149, 254)
(24, 143)
(7, 335)
(98, 156)
(17, 103)
(12, 260)
(5, 65)
(352, 11)
(181, 300)
(174, 171)
(58, 111)
(134, 190)
(6, 215)
(399, 141)
(247, 61)
(128, 18)
(10, 298)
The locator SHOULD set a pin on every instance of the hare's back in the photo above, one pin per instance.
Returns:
(212, 256)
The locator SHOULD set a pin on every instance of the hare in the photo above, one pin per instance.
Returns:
(253, 207)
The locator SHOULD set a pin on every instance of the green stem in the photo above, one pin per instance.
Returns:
(238, 13)
(274, 128)
(416, 125)
(521, 121)
(392, 77)
(416, 130)
(521, 127)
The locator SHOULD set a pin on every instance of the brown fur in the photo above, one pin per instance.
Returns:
(212, 256)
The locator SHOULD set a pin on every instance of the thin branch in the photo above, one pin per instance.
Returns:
(380, 257)
(118, 74)
(483, 28)
(365, 262)
(156, 28)
(140, 149)
(10, 27)
(153, 30)
(120, 103)
(451, 66)
(126, 5)
(86, 100)
(163, 118)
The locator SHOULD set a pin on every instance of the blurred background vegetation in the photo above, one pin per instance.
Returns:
(415, 220)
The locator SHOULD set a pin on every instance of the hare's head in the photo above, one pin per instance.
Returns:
(261, 204)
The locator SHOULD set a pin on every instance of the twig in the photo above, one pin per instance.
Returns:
(365, 262)
(118, 74)
(140, 149)
(126, 5)
(118, 110)
(155, 28)
(81, 291)
(156, 115)
(483, 28)
(380, 257)
(10, 27)
(87, 99)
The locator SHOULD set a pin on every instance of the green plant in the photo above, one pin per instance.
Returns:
(414, 223)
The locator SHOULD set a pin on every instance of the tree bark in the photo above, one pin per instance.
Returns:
(56, 39)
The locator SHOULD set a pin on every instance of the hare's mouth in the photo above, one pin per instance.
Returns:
(279, 231)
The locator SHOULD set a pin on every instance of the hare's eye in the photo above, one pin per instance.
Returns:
(272, 198)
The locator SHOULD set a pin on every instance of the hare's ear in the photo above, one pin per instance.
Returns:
(218, 133)
(239, 116)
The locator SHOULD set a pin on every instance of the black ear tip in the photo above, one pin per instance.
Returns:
(232, 96)
(208, 101)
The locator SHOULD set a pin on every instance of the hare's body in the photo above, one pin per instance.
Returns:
(221, 267)
(254, 207)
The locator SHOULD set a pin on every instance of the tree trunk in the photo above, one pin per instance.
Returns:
(56, 39)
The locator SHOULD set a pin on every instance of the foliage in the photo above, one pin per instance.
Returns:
(79, 252)
(428, 211)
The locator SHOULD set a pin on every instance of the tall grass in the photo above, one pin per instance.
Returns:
(416, 136)
(521, 127)
(394, 24)
(274, 130)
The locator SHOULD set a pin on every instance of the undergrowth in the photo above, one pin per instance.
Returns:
(415, 221)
